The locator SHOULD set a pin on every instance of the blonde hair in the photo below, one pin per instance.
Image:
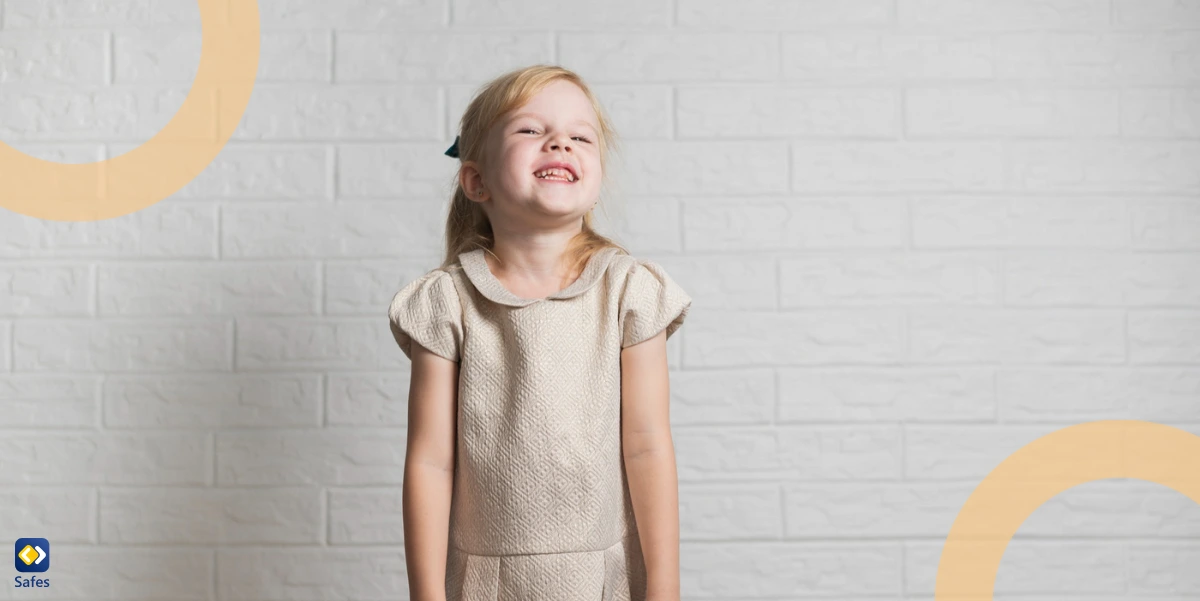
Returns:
(467, 225)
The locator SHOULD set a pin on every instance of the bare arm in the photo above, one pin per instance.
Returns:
(429, 472)
(650, 461)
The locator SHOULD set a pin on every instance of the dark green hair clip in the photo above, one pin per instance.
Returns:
(453, 150)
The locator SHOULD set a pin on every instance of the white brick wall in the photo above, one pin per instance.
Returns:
(919, 234)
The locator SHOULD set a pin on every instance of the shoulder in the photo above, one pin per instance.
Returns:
(427, 310)
(635, 273)
(434, 285)
(625, 266)
(649, 299)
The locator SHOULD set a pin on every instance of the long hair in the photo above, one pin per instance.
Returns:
(467, 225)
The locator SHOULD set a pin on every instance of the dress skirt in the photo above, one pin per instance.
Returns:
(613, 574)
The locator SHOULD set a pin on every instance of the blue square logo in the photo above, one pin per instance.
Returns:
(32, 554)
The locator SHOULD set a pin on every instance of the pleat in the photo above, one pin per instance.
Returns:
(472, 577)
(616, 575)
(624, 571)
(482, 582)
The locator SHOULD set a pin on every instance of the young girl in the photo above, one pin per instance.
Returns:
(538, 425)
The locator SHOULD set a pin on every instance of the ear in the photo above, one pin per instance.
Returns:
(471, 181)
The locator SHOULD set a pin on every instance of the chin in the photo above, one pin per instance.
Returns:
(559, 207)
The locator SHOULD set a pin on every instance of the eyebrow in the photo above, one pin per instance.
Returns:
(519, 115)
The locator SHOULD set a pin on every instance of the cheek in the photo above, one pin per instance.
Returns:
(519, 161)
(514, 171)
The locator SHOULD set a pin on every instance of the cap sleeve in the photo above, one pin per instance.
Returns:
(427, 310)
(650, 303)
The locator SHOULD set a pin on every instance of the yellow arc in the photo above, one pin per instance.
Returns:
(1046, 467)
(173, 157)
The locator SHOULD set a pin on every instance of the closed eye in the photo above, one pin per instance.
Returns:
(581, 138)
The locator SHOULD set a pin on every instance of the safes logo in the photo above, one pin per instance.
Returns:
(32, 555)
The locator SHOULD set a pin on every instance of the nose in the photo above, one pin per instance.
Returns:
(560, 142)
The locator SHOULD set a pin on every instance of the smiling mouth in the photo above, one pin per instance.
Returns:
(562, 174)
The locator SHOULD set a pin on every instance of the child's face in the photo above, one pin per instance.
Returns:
(558, 124)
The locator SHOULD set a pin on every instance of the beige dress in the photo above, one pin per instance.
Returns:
(541, 507)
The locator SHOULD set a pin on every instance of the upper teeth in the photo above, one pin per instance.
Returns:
(563, 173)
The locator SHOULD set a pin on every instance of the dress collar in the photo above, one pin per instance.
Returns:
(475, 266)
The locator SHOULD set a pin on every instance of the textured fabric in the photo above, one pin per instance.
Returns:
(427, 310)
(541, 506)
